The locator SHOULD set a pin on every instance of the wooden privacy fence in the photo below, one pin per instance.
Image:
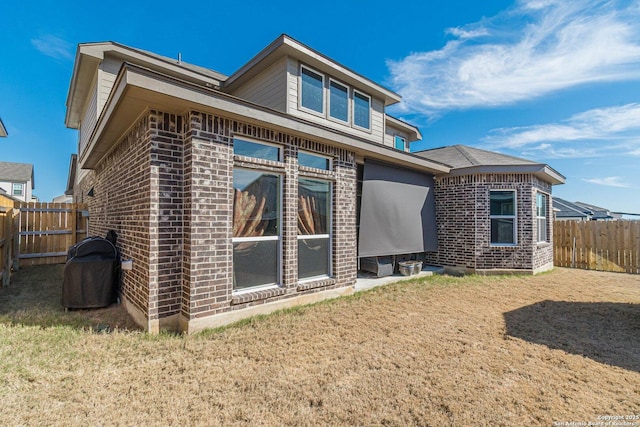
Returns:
(47, 230)
(8, 244)
(597, 245)
(38, 233)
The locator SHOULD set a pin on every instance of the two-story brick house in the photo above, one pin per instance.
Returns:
(237, 195)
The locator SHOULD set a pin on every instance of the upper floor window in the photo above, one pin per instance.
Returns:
(314, 161)
(400, 143)
(338, 101)
(343, 103)
(256, 149)
(17, 189)
(361, 110)
(312, 96)
(503, 217)
(541, 217)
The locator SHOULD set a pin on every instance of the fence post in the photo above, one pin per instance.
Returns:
(15, 224)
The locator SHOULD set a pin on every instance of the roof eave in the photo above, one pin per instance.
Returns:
(3, 130)
(138, 89)
(414, 132)
(542, 171)
(88, 57)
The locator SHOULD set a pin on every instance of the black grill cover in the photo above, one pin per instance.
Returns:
(91, 274)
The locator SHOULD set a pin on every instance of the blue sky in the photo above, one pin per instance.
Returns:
(553, 81)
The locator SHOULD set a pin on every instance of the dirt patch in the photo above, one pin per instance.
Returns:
(558, 347)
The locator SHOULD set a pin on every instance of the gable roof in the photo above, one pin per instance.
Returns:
(466, 160)
(89, 56)
(16, 172)
(3, 130)
(288, 46)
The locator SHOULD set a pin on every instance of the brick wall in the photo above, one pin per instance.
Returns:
(167, 189)
(464, 227)
(121, 185)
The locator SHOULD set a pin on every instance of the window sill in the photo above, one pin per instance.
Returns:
(258, 294)
(543, 244)
(315, 283)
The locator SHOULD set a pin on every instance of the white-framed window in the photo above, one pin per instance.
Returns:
(314, 228)
(258, 150)
(400, 143)
(311, 90)
(541, 217)
(17, 189)
(361, 110)
(257, 236)
(502, 214)
(338, 101)
(315, 161)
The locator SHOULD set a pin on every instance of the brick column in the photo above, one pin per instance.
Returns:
(344, 223)
(290, 220)
(208, 196)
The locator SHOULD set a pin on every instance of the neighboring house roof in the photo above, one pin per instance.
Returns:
(16, 172)
(3, 130)
(598, 212)
(566, 209)
(466, 160)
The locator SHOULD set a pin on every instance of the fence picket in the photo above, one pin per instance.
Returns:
(599, 245)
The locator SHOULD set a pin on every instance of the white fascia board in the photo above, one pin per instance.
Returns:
(411, 129)
(137, 89)
(542, 171)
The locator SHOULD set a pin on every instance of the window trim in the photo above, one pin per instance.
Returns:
(546, 218)
(329, 116)
(353, 100)
(322, 113)
(279, 237)
(395, 142)
(514, 217)
(255, 141)
(328, 236)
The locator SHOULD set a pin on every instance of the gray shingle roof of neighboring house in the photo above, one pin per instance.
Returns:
(3, 130)
(565, 209)
(598, 212)
(466, 160)
(16, 172)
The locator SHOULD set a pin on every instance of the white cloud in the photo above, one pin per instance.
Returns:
(610, 181)
(54, 47)
(538, 47)
(591, 133)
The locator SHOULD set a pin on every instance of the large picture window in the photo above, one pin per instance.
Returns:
(541, 217)
(314, 222)
(312, 91)
(256, 228)
(503, 217)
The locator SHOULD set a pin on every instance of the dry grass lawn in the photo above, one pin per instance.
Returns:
(558, 347)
